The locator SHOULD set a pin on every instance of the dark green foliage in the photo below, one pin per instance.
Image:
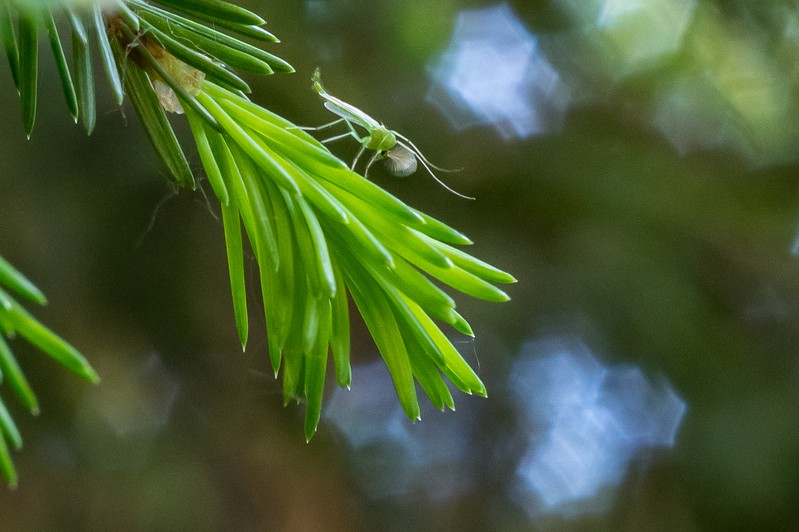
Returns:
(319, 231)
(15, 320)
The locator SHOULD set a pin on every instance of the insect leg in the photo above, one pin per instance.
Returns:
(427, 166)
(369, 164)
(318, 128)
(354, 133)
(337, 137)
(355, 161)
(411, 146)
(350, 133)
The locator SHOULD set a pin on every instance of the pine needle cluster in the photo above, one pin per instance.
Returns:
(323, 236)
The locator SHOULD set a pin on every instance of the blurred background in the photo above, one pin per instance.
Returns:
(635, 167)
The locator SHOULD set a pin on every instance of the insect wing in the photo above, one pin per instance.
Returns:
(341, 108)
(350, 112)
(400, 161)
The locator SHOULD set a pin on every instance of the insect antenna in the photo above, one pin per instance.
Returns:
(401, 161)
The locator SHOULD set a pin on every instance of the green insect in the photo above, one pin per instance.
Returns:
(399, 153)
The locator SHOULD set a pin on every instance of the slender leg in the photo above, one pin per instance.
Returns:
(363, 141)
(412, 147)
(355, 161)
(370, 163)
(337, 137)
(318, 128)
(354, 133)
(426, 164)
